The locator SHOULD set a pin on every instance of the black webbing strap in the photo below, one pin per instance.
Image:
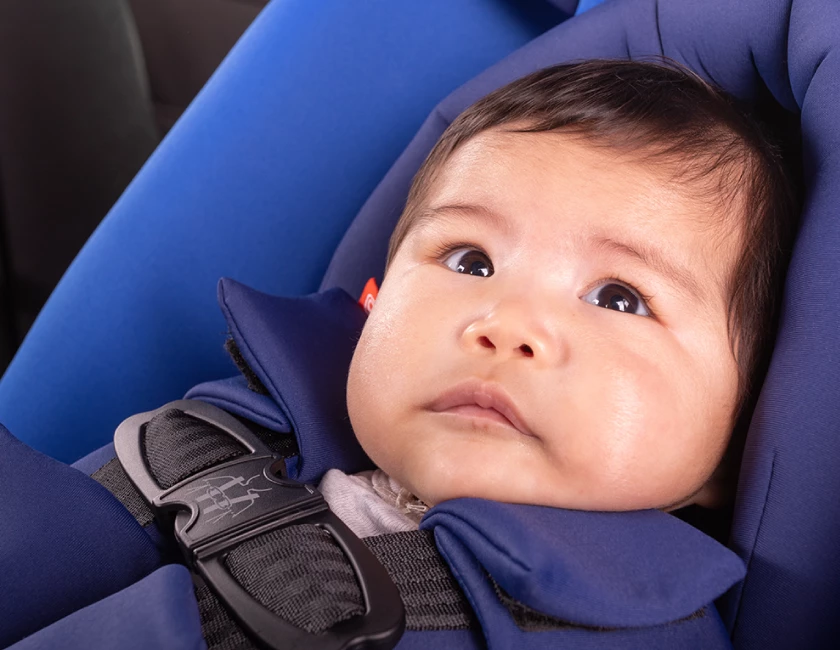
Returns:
(298, 572)
(112, 476)
(432, 598)
(317, 592)
(329, 593)
(178, 446)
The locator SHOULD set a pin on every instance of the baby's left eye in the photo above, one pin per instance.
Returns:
(469, 261)
(619, 297)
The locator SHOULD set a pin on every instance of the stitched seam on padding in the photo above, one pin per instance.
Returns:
(740, 598)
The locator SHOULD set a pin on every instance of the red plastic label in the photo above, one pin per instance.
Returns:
(369, 294)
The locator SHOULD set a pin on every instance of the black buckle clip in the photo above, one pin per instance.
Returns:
(223, 506)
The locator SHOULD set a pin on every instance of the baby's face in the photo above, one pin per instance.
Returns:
(553, 331)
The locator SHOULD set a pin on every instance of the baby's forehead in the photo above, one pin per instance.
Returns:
(712, 193)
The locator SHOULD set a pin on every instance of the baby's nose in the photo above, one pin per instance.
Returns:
(514, 331)
(523, 348)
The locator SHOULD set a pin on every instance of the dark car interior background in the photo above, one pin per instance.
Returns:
(87, 91)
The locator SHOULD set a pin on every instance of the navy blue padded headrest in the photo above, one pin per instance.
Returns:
(787, 523)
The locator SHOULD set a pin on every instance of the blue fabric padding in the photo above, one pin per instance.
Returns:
(787, 524)
(586, 5)
(500, 633)
(158, 612)
(258, 181)
(95, 459)
(600, 569)
(65, 541)
(300, 348)
(638, 573)
(461, 639)
(234, 396)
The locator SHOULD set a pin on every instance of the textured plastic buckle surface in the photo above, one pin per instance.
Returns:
(221, 507)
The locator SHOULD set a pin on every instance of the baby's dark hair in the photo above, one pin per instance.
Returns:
(661, 113)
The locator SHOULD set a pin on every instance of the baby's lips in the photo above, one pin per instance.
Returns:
(484, 395)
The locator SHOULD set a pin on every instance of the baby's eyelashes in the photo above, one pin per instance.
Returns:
(615, 295)
(470, 261)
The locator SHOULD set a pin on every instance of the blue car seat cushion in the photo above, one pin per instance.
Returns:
(66, 541)
(786, 523)
(253, 406)
(557, 562)
(157, 612)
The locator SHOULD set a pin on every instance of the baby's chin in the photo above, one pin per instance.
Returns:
(433, 491)
(439, 479)
(434, 488)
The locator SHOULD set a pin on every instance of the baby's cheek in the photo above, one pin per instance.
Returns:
(365, 405)
(641, 423)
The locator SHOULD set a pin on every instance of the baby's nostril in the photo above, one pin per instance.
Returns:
(526, 350)
(485, 342)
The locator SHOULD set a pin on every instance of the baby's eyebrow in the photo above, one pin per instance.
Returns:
(431, 214)
(653, 258)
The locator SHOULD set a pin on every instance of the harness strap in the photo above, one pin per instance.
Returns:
(113, 478)
(431, 597)
(298, 572)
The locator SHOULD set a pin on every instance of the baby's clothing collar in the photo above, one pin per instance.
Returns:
(371, 503)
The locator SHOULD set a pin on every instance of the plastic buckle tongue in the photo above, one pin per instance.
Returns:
(223, 506)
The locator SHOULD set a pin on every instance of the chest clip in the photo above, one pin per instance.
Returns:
(219, 508)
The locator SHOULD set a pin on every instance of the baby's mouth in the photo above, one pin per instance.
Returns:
(483, 400)
(475, 411)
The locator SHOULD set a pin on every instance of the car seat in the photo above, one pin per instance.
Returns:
(132, 322)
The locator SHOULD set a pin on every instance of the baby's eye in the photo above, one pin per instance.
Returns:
(470, 261)
(612, 295)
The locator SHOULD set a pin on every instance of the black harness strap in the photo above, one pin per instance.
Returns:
(314, 594)
(177, 446)
(432, 598)
(219, 630)
(298, 572)
(112, 476)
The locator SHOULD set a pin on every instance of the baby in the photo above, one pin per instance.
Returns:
(579, 297)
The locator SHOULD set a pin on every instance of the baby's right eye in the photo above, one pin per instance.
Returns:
(471, 261)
